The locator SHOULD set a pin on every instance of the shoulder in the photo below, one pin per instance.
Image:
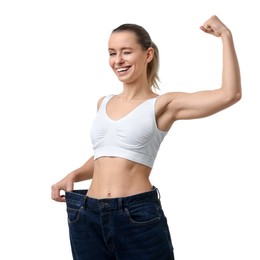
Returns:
(168, 104)
(166, 99)
(102, 99)
(100, 102)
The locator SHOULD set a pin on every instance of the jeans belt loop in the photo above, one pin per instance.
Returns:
(120, 205)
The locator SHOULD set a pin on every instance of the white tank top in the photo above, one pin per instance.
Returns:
(134, 137)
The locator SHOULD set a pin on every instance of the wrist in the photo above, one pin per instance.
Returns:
(226, 34)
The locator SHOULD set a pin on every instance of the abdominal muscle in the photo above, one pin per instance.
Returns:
(117, 177)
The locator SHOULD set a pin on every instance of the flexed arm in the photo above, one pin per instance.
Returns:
(231, 82)
(179, 105)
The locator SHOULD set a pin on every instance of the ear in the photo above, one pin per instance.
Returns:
(149, 54)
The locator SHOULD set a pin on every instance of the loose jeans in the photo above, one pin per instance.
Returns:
(127, 228)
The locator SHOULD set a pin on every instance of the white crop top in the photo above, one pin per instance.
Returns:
(134, 137)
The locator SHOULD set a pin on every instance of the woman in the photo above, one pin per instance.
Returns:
(120, 215)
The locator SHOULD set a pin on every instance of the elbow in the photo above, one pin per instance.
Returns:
(234, 97)
(237, 95)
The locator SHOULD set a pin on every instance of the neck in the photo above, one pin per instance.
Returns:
(136, 92)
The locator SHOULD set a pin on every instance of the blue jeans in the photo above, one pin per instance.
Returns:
(127, 228)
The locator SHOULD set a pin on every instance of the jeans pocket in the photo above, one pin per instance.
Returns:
(73, 214)
(143, 214)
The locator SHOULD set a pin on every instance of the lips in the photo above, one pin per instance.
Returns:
(123, 69)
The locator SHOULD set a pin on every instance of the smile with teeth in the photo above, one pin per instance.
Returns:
(123, 69)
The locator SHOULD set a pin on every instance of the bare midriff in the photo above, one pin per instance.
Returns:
(117, 177)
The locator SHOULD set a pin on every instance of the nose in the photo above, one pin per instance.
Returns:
(119, 59)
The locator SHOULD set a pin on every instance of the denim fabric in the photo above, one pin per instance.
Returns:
(127, 228)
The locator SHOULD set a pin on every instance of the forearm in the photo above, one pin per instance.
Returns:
(231, 82)
(85, 172)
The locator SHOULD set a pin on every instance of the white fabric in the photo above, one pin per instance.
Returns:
(134, 137)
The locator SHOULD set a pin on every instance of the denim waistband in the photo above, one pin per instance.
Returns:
(79, 198)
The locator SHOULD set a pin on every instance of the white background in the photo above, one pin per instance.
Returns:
(54, 68)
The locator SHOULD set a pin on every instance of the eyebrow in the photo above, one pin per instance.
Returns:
(124, 48)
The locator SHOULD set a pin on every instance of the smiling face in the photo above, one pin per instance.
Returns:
(127, 58)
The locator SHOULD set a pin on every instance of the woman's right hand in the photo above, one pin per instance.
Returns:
(85, 172)
(66, 184)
